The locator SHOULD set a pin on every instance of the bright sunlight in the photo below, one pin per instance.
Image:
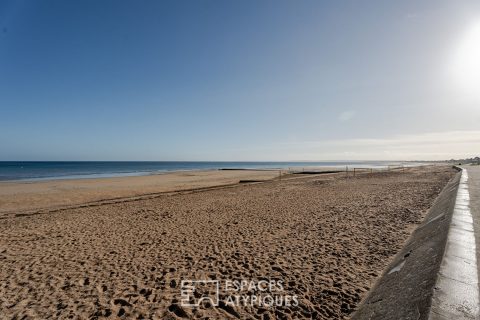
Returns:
(466, 63)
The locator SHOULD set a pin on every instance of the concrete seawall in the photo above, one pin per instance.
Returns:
(406, 288)
(456, 290)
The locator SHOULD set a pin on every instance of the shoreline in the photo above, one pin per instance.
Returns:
(21, 169)
(21, 196)
(132, 174)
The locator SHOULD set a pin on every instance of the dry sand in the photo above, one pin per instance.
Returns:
(327, 238)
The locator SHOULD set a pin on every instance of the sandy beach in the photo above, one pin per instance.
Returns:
(25, 196)
(326, 239)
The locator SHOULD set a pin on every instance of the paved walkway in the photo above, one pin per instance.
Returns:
(456, 294)
(474, 189)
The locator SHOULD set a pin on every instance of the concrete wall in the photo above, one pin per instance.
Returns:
(405, 289)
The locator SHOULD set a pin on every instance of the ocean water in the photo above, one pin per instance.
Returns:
(50, 170)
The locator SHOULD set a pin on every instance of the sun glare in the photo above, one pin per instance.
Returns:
(466, 64)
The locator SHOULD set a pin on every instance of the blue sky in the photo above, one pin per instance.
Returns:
(245, 80)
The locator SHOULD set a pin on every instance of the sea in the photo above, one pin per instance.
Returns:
(52, 170)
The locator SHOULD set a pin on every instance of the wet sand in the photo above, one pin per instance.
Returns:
(326, 238)
(20, 196)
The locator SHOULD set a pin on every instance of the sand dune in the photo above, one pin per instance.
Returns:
(326, 238)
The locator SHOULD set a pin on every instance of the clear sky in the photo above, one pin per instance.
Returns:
(239, 80)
